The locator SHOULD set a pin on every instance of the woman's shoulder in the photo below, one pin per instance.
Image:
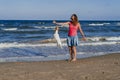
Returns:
(78, 23)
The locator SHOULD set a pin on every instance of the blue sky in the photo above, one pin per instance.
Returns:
(60, 9)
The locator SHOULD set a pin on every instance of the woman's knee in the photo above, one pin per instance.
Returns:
(70, 48)
(73, 47)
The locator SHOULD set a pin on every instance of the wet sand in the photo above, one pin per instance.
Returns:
(105, 67)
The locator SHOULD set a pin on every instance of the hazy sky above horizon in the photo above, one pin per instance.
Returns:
(60, 9)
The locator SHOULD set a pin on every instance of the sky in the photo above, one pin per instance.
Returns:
(59, 9)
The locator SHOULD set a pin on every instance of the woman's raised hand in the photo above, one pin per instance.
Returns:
(84, 39)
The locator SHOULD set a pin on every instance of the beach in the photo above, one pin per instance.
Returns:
(105, 67)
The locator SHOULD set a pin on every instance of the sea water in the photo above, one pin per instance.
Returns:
(32, 40)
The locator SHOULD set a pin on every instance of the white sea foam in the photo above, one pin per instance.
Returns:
(37, 27)
(96, 24)
(99, 43)
(50, 42)
(8, 45)
(48, 27)
(25, 30)
(10, 29)
(99, 24)
(15, 44)
(44, 27)
(103, 38)
(16, 29)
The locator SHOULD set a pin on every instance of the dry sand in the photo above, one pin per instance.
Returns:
(96, 68)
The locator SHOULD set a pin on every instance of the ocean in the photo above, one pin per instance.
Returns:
(32, 40)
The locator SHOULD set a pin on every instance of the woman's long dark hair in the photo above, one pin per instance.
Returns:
(75, 21)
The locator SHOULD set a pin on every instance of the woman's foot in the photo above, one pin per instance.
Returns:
(73, 60)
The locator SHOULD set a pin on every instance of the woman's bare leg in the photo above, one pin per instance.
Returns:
(71, 53)
(74, 53)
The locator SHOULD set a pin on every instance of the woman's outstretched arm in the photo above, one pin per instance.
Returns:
(61, 23)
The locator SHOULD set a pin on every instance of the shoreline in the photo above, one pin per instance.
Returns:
(105, 67)
(52, 57)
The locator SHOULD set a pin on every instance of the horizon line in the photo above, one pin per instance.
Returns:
(62, 19)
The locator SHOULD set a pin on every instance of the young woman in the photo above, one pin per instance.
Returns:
(72, 40)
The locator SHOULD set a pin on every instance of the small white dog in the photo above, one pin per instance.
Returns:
(57, 38)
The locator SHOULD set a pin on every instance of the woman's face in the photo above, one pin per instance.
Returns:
(72, 18)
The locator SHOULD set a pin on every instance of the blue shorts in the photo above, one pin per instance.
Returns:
(72, 40)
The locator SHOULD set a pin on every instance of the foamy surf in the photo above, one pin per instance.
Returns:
(52, 42)
(8, 45)
(15, 52)
(10, 29)
(98, 24)
(51, 58)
